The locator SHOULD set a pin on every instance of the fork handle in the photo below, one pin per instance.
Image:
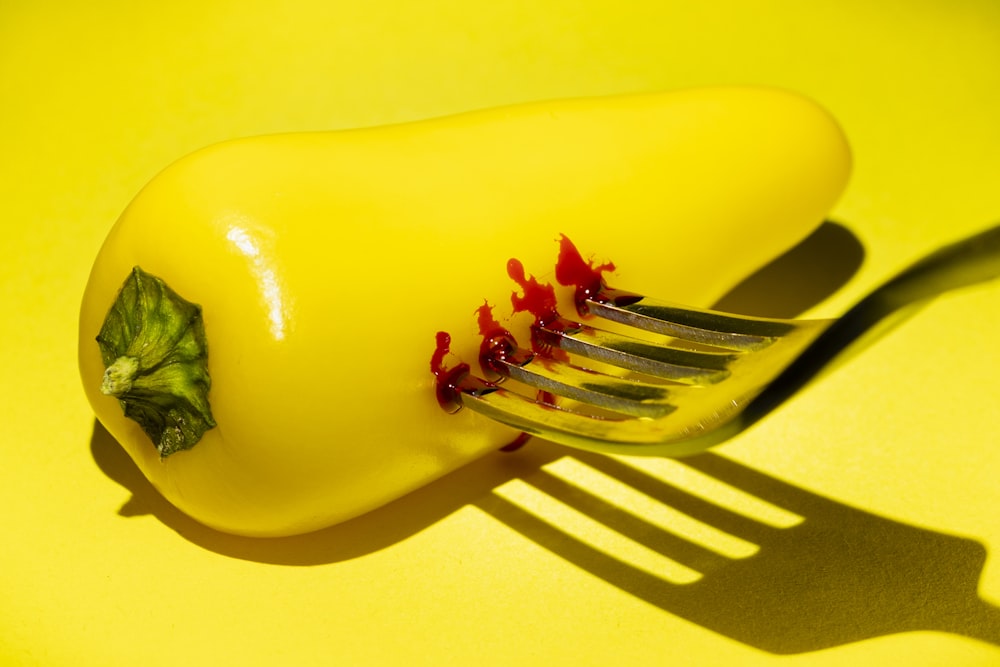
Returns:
(967, 262)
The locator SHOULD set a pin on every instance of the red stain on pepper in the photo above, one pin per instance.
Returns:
(449, 380)
(499, 346)
(536, 298)
(520, 441)
(573, 270)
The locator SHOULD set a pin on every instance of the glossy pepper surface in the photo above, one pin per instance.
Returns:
(320, 266)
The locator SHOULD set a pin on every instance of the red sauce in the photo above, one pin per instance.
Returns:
(539, 300)
(497, 341)
(520, 441)
(499, 344)
(449, 380)
(536, 298)
(573, 270)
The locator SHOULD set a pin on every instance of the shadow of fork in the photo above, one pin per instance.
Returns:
(840, 575)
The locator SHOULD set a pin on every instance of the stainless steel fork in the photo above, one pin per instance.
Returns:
(672, 380)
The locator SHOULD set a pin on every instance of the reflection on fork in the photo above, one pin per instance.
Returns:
(747, 555)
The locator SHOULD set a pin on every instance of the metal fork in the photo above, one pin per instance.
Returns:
(675, 380)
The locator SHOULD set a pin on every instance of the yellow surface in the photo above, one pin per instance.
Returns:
(885, 549)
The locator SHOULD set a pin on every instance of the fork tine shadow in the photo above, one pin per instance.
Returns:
(841, 575)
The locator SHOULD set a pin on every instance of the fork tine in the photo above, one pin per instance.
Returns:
(660, 360)
(732, 332)
(622, 395)
(540, 418)
(586, 431)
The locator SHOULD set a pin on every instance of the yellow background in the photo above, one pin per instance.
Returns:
(886, 463)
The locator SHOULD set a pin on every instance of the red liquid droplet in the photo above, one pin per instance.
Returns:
(536, 298)
(442, 347)
(488, 325)
(498, 343)
(448, 379)
(539, 300)
(452, 381)
(573, 270)
(520, 441)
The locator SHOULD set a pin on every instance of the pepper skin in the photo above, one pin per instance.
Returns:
(325, 263)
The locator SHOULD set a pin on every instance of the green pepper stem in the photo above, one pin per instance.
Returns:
(119, 376)
(156, 362)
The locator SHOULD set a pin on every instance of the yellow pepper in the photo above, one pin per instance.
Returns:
(267, 307)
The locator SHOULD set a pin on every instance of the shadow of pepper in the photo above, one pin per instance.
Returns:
(800, 278)
(366, 534)
(803, 276)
